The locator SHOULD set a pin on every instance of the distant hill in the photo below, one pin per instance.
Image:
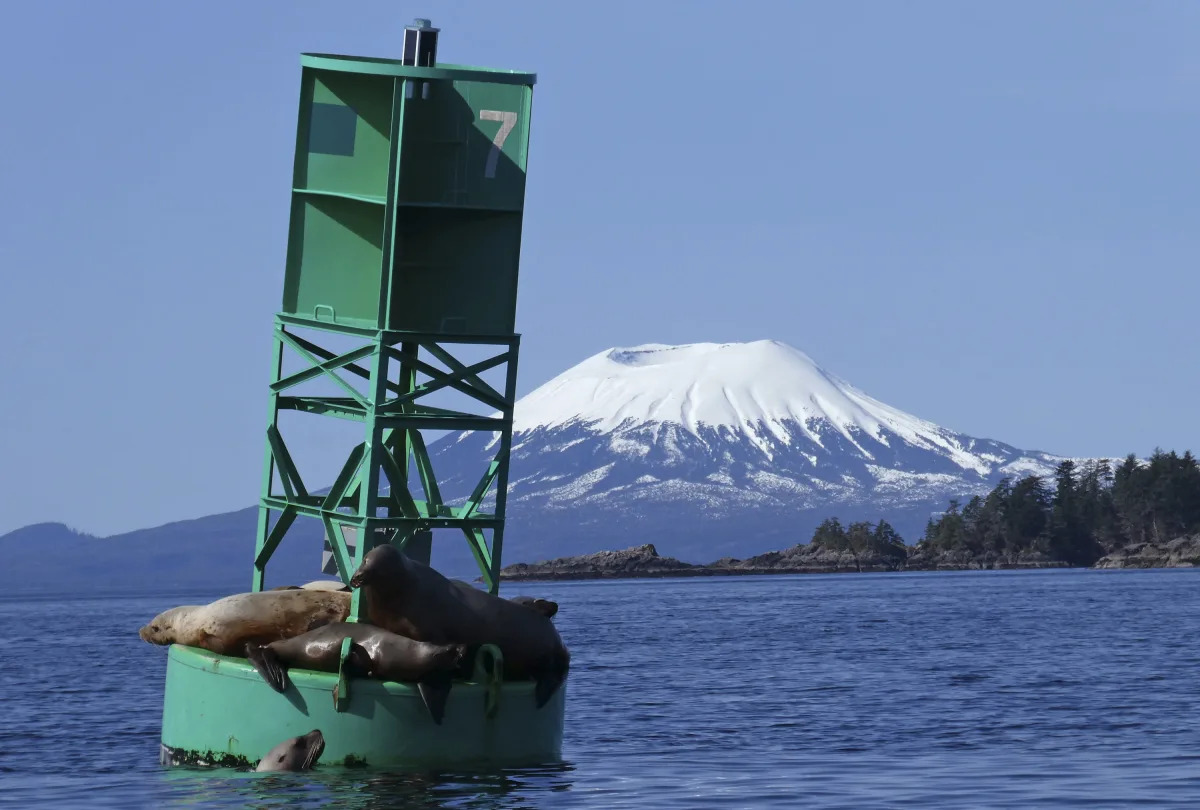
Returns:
(706, 450)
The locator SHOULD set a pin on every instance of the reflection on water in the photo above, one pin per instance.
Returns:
(365, 789)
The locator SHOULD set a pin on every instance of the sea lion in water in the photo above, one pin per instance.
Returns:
(542, 606)
(297, 754)
(374, 652)
(416, 601)
(226, 625)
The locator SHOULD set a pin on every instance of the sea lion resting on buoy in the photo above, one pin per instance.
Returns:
(227, 625)
(416, 601)
(296, 754)
(542, 606)
(374, 653)
(316, 585)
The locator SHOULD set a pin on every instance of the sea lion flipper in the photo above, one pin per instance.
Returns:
(358, 662)
(268, 665)
(435, 690)
(547, 684)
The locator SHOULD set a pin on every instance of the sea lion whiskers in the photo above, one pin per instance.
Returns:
(315, 751)
(377, 565)
(294, 754)
(163, 627)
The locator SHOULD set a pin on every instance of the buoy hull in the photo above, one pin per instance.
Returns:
(218, 711)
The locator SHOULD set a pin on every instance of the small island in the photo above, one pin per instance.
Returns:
(1138, 515)
(644, 562)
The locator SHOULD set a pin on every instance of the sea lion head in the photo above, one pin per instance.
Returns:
(382, 563)
(296, 754)
(542, 606)
(162, 628)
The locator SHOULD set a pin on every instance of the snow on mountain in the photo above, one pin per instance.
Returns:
(751, 387)
(712, 443)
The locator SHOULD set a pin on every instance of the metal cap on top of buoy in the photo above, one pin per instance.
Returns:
(420, 44)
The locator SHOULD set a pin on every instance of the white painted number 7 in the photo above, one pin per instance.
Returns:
(507, 120)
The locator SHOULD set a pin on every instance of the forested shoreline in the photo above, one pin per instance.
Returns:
(1136, 513)
(1087, 512)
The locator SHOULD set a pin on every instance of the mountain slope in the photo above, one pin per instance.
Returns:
(719, 448)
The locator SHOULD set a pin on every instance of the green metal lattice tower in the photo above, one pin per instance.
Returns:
(407, 198)
(407, 202)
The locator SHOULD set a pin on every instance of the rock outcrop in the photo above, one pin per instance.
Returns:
(644, 561)
(920, 559)
(810, 559)
(1182, 552)
(638, 561)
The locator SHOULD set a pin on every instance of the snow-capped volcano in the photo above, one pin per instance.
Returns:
(729, 448)
(752, 388)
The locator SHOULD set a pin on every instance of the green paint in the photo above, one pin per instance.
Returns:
(405, 238)
(219, 710)
(406, 233)
(419, 228)
(341, 695)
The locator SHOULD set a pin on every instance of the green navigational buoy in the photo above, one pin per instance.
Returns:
(407, 202)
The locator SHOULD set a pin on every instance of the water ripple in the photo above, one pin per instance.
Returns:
(986, 689)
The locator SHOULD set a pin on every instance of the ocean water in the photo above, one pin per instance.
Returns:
(931, 690)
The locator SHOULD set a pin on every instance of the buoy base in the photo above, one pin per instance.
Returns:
(218, 711)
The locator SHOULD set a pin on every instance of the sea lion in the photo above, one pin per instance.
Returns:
(335, 585)
(416, 601)
(297, 754)
(542, 606)
(374, 653)
(226, 625)
(315, 585)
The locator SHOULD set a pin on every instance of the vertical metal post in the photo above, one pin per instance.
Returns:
(264, 514)
(510, 397)
(368, 496)
(419, 542)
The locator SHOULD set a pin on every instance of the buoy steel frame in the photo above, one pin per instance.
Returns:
(407, 208)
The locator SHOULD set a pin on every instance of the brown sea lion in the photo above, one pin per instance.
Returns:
(416, 601)
(226, 625)
(542, 606)
(297, 754)
(374, 653)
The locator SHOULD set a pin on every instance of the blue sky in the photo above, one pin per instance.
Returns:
(984, 214)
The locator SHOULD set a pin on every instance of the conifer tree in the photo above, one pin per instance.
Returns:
(1094, 508)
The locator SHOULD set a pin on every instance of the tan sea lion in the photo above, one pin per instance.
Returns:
(297, 754)
(414, 600)
(326, 585)
(542, 606)
(374, 653)
(227, 625)
(315, 585)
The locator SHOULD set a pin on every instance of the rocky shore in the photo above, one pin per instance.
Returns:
(1182, 552)
(644, 562)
